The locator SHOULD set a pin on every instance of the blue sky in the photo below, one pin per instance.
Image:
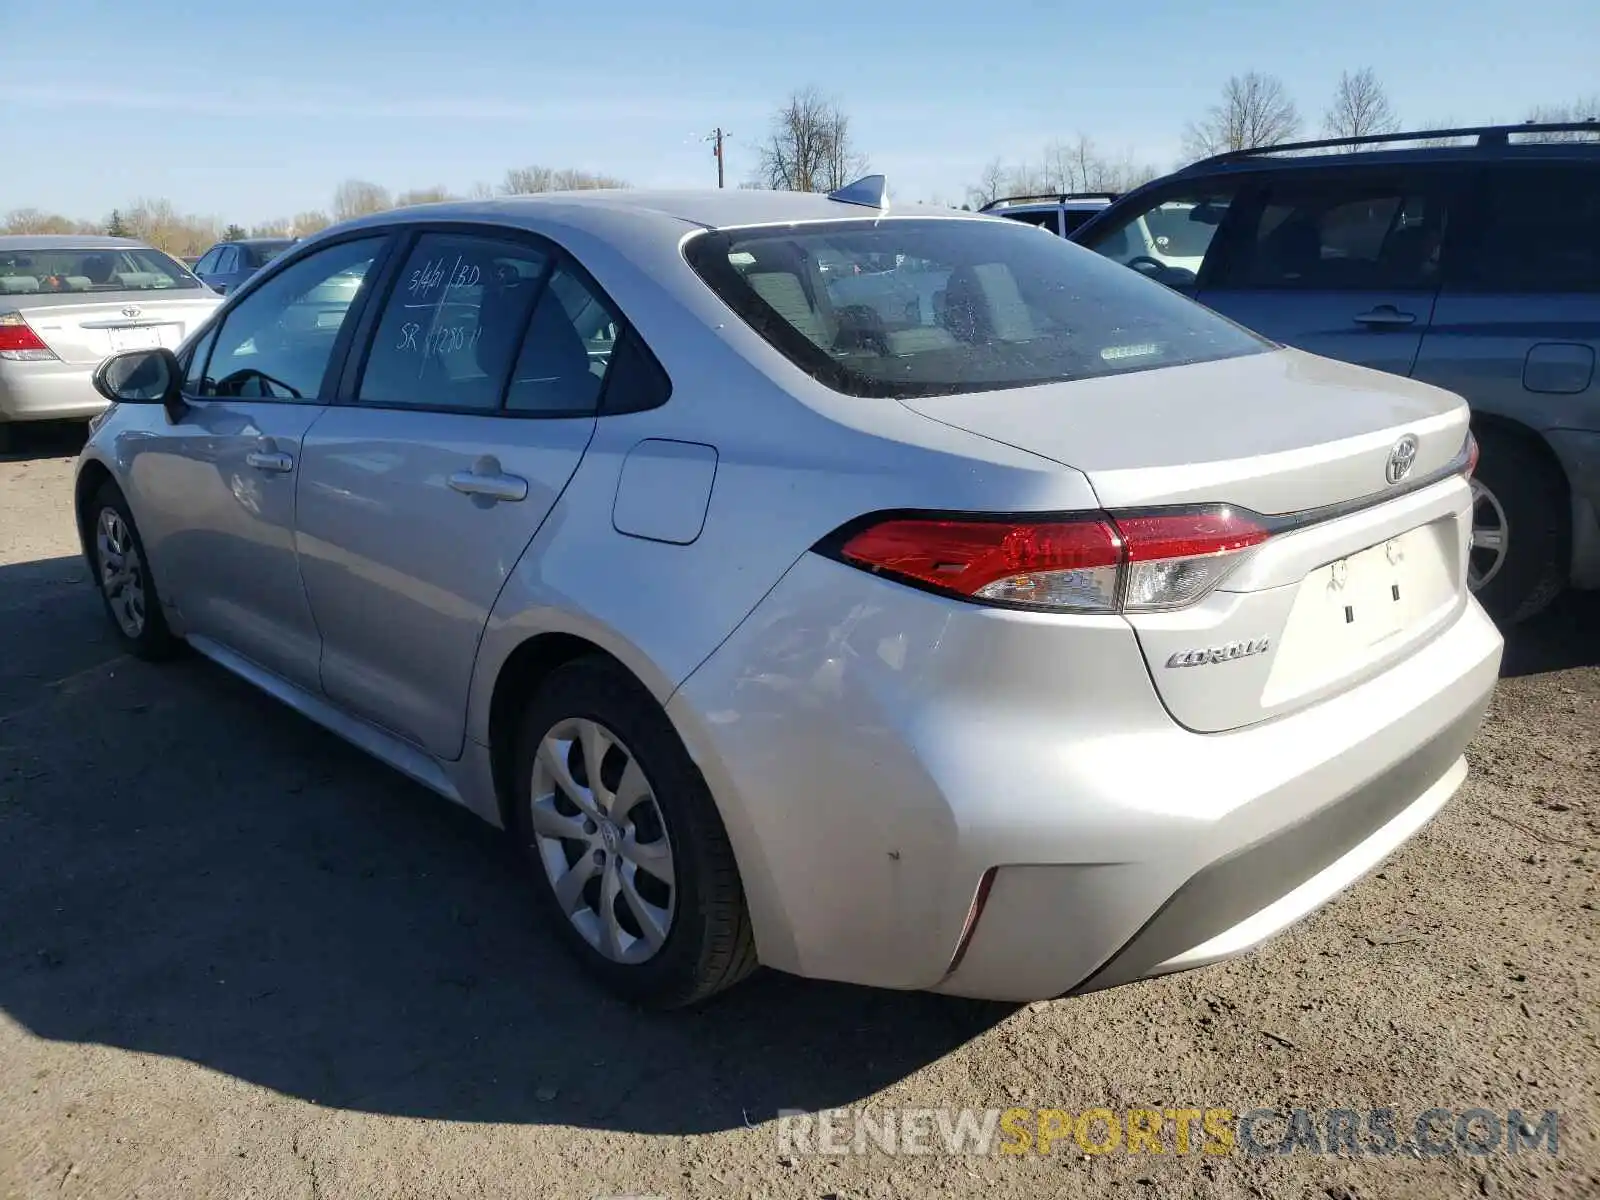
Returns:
(249, 111)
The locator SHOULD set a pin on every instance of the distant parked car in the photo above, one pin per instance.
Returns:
(1475, 267)
(67, 302)
(1060, 214)
(228, 264)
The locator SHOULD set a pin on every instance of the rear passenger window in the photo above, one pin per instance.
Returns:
(452, 324)
(1538, 231)
(634, 381)
(567, 352)
(1330, 235)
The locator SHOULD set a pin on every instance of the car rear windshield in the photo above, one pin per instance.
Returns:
(265, 252)
(109, 269)
(916, 306)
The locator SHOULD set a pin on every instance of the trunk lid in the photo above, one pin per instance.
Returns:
(1280, 432)
(1360, 570)
(83, 331)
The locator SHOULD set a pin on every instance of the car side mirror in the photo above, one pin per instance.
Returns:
(143, 377)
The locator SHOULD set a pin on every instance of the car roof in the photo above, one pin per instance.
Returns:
(1483, 144)
(68, 241)
(595, 210)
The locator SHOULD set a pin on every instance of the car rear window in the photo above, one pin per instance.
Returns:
(927, 306)
(265, 252)
(109, 269)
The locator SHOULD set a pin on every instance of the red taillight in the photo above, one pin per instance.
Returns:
(1097, 563)
(18, 340)
(1472, 455)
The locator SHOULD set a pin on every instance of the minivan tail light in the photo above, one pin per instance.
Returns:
(1098, 563)
(19, 341)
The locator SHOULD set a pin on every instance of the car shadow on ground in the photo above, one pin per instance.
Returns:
(44, 439)
(1563, 637)
(189, 869)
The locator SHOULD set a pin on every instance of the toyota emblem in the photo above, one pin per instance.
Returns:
(133, 310)
(1401, 459)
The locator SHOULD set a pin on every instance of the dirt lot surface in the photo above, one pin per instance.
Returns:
(239, 959)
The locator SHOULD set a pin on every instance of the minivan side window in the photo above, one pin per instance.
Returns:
(1168, 240)
(1329, 233)
(1538, 230)
(452, 323)
(277, 342)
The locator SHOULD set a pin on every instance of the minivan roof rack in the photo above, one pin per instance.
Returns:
(1487, 135)
(1050, 197)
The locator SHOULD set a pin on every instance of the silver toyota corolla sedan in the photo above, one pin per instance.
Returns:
(974, 615)
(67, 301)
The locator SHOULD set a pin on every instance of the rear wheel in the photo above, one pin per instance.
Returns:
(629, 856)
(122, 574)
(1520, 538)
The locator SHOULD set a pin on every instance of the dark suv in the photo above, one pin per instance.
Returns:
(1468, 258)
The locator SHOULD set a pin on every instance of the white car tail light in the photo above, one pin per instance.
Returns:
(18, 341)
(1102, 562)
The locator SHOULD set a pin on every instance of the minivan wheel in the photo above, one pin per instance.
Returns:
(630, 860)
(1518, 561)
(122, 575)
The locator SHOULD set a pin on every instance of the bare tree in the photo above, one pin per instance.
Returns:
(570, 179)
(427, 195)
(481, 191)
(1360, 107)
(1255, 110)
(33, 220)
(809, 148)
(309, 222)
(163, 226)
(989, 184)
(1586, 109)
(1075, 166)
(358, 198)
(527, 181)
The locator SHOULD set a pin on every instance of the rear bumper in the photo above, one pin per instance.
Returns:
(875, 751)
(48, 391)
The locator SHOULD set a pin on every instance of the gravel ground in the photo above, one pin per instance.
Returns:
(239, 959)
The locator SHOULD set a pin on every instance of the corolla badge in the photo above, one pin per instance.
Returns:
(1227, 652)
(1401, 459)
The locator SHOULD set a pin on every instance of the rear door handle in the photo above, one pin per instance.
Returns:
(1386, 316)
(270, 460)
(488, 480)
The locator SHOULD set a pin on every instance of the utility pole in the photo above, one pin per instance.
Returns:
(717, 137)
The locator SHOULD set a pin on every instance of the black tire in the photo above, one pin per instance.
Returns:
(1533, 495)
(7, 440)
(709, 945)
(154, 641)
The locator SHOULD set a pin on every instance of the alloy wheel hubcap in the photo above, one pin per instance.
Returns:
(1491, 536)
(121, 571)
(601, 839)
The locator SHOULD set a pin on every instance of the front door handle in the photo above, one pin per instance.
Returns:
(270, 460)
(488, 480)
(1386, 316)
